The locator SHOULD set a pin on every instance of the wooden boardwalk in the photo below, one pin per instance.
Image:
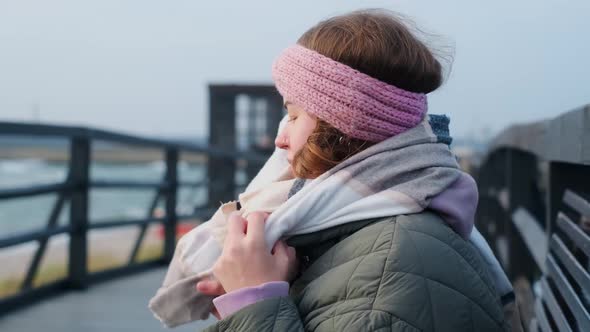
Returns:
(118, 305)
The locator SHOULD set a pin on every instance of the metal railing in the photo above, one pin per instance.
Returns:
(75, 190)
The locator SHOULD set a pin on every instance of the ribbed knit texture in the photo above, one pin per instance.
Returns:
(353, 102)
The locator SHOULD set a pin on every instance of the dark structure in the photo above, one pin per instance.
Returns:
(224, 156)
(242, 118)
(534, 211)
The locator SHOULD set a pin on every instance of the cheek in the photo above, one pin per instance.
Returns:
(299, 139)
(298, 132)
(297, 143)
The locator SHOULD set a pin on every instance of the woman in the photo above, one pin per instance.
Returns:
(380, 216)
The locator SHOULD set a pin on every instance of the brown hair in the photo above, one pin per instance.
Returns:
(374, 42)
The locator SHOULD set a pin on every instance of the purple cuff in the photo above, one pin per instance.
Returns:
(231, 302)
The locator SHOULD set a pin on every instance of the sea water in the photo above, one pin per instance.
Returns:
(31, 213)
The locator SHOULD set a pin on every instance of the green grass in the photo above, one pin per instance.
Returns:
(148, 253)
(9, 286)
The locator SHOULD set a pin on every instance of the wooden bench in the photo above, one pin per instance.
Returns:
(564, 301)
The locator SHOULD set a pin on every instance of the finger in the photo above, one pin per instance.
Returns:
(210, 287)
(255, 231)
(202, 286)
(207, 287)
(236, 226)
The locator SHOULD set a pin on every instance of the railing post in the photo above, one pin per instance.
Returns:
(222, 124)
(78, 177)
(522, 178)
(171, 193)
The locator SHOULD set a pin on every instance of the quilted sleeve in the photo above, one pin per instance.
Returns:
(275, 314)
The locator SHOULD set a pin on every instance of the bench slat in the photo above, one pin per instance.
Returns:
(565, 289)
(542, 321)
(574, 233)
(574, 267)
(577, 203)
(554, 308)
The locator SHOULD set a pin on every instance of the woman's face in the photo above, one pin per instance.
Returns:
(294, 135)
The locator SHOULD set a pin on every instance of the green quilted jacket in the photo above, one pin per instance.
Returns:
(405, 273)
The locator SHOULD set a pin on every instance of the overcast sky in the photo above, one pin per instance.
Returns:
(143, 66)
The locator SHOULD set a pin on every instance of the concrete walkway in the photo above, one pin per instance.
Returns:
(118, 305)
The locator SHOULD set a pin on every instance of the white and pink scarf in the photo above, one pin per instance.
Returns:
(404, 174)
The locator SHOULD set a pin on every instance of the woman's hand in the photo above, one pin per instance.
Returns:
(211, 287)
(246, 261)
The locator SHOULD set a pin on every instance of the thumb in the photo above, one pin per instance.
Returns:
(282, 252)
(286, 259)
(285, 253)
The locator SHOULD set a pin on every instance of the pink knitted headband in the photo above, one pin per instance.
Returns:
(355, 103)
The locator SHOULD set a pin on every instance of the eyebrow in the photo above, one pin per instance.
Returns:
(286, 104)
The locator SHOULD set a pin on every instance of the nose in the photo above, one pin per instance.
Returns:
(281, 141)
